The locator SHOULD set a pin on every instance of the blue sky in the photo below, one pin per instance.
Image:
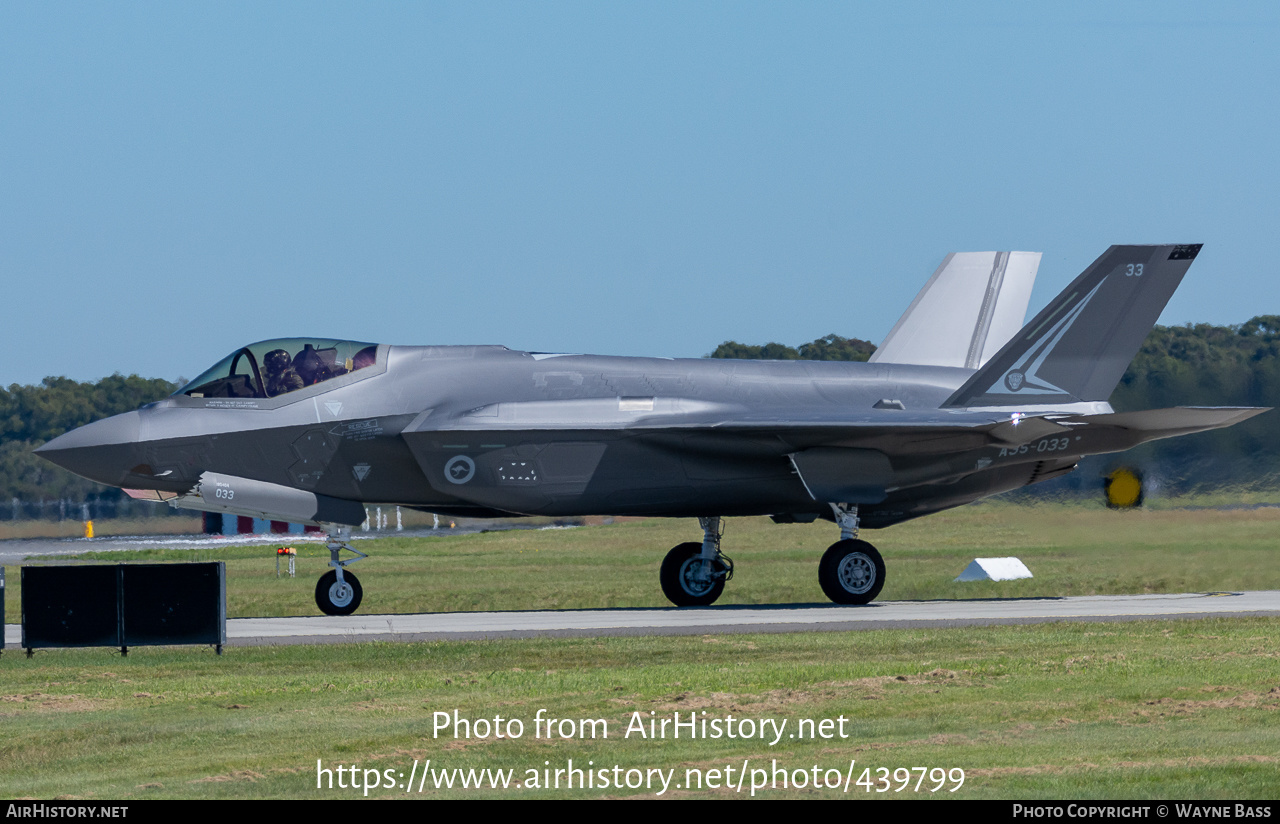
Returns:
(179, 179)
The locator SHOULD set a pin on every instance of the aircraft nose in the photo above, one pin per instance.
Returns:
(102, 451)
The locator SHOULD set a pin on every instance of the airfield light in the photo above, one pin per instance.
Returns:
(292, 554)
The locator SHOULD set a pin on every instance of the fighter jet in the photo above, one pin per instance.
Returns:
(958, 404)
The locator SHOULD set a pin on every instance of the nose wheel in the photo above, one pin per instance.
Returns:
(336, 597)
(338, 592)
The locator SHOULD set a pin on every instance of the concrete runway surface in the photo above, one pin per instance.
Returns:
(735, 619)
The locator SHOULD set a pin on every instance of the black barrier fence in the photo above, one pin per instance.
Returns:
(124, 605)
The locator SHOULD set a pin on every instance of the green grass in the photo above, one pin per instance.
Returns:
(1182, 709)
(1072, 549)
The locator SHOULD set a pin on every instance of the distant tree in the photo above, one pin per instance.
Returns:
(1262, 325)
(1204, 365)
(740, 351)
(56, 405)
(834, 347)
(32, 415)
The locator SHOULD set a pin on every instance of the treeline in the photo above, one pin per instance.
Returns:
(832, 347)
(32, 415)
(1191, 365)
(1203, 365)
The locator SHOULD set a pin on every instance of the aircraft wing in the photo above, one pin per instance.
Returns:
(937, 430)
(1135, 427)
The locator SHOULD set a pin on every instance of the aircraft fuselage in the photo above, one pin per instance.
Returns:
(566, 435)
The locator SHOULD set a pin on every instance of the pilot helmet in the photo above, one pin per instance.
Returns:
(276, 361)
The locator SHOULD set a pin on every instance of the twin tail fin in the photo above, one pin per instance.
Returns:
(1079, 346)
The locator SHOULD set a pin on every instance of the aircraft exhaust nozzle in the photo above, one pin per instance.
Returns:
(259, 499)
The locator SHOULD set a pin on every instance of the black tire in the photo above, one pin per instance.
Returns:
(335, 600)
(851, 572)
(677, 582)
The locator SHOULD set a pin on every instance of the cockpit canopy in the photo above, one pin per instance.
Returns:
(276, 367)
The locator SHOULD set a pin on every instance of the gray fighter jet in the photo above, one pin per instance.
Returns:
(311, 430)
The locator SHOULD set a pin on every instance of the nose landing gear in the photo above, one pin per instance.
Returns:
(338, 592)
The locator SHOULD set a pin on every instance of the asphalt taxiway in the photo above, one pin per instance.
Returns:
(736, 619)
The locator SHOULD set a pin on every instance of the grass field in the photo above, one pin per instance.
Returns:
(1150, 709)
(1184, 709)
(1071, 549)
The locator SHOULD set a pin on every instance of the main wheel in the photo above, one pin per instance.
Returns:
(679, 578)
(851, 572)
(338, 598)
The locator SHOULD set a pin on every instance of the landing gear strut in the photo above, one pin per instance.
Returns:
(851, 571)
(693, 575)
(338, 592)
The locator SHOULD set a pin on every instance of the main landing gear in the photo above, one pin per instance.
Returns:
(338, 592)
(851, 571)
(693, 575)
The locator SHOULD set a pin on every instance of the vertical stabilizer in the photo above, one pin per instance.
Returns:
(971, 306)
(1078, 347)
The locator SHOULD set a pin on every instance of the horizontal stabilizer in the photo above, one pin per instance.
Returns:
(1118, 431)
(1154, 424)
(971, 306)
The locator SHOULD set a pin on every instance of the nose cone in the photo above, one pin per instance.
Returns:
(103, 451)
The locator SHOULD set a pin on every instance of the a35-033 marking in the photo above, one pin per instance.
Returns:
(1042, 446)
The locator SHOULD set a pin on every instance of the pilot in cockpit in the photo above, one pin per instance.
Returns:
(281, 376)
(272, 368)
(317, 365)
